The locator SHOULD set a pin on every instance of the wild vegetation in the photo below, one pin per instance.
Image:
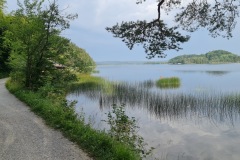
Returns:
(213, 57)
(125, 129)
(77, 59)
(32, 47)
(4, 49)
(60, 114)
(216, 106)
(172, 82)
(43, 65)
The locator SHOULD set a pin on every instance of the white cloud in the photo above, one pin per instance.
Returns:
(88, 31)
(98, 14)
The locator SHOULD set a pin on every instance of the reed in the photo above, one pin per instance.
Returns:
(172, 82)
(216, 106)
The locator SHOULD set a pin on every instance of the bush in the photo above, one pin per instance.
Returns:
(124, 129)
(60, 115)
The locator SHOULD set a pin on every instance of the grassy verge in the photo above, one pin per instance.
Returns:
(58, 114)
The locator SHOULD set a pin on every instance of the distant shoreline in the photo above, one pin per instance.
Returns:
(213, 57)
(146, 63)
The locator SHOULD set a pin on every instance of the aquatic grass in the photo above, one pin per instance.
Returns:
(172, 82)
(62, 116)
(88, 78)
(216, 106)
(147, 84)
(88, 83)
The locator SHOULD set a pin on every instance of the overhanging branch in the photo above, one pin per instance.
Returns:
(159, 8)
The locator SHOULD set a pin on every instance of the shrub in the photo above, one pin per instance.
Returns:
(125, 130)
(60, 115)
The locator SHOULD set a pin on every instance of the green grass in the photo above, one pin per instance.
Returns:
(172, 82)
(62, 117)
(90, 83)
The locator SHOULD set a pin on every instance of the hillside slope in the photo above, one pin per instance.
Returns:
(213, 57)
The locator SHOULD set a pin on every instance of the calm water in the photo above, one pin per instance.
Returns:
(204, 131)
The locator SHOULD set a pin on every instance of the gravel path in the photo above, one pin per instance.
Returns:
(24, 136)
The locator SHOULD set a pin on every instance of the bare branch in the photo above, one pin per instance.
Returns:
(159, 8)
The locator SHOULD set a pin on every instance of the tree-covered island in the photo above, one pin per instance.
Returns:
(213, 57)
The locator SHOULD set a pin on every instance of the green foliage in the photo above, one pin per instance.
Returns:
(155, 36)
(218, 17)
(60, 114)
(3, 75)
(220, 56)
(172, 82)
(4, 48)
(77, 59)
(35, 41)
(2, 2)
(37, 54)
(124, 129)
(213, 57)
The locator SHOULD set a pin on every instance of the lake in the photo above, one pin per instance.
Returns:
(200, 120)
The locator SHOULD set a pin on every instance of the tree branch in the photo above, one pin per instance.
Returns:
(159, 7)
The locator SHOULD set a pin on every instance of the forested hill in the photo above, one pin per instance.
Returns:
(213, 57)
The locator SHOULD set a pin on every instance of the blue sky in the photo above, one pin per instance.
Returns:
(88, 31)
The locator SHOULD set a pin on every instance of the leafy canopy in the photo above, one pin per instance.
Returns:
(34, 36)
(77, 59)
(4, 49)
(213, 57)
(33, 50)
(2, 2)
(219, 17)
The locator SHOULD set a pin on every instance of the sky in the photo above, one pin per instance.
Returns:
(88, 31)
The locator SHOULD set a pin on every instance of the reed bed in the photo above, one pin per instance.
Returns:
(216, 106)
(172, 82)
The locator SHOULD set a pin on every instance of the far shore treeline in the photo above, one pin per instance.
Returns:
(213, 57)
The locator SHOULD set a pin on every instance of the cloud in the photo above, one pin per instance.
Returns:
(96, 15)
(88, 31)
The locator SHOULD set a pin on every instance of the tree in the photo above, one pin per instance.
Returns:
(2, 2)
(219, 17)
(217, 56)
(34, 38)
(77, 59)
(4, 49)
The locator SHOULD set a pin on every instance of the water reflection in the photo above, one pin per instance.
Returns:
(214, 73)
(194, 126)
(217, 107)
(198, 121)
(217, 73)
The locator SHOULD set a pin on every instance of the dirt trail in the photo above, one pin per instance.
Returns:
(24, 136)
